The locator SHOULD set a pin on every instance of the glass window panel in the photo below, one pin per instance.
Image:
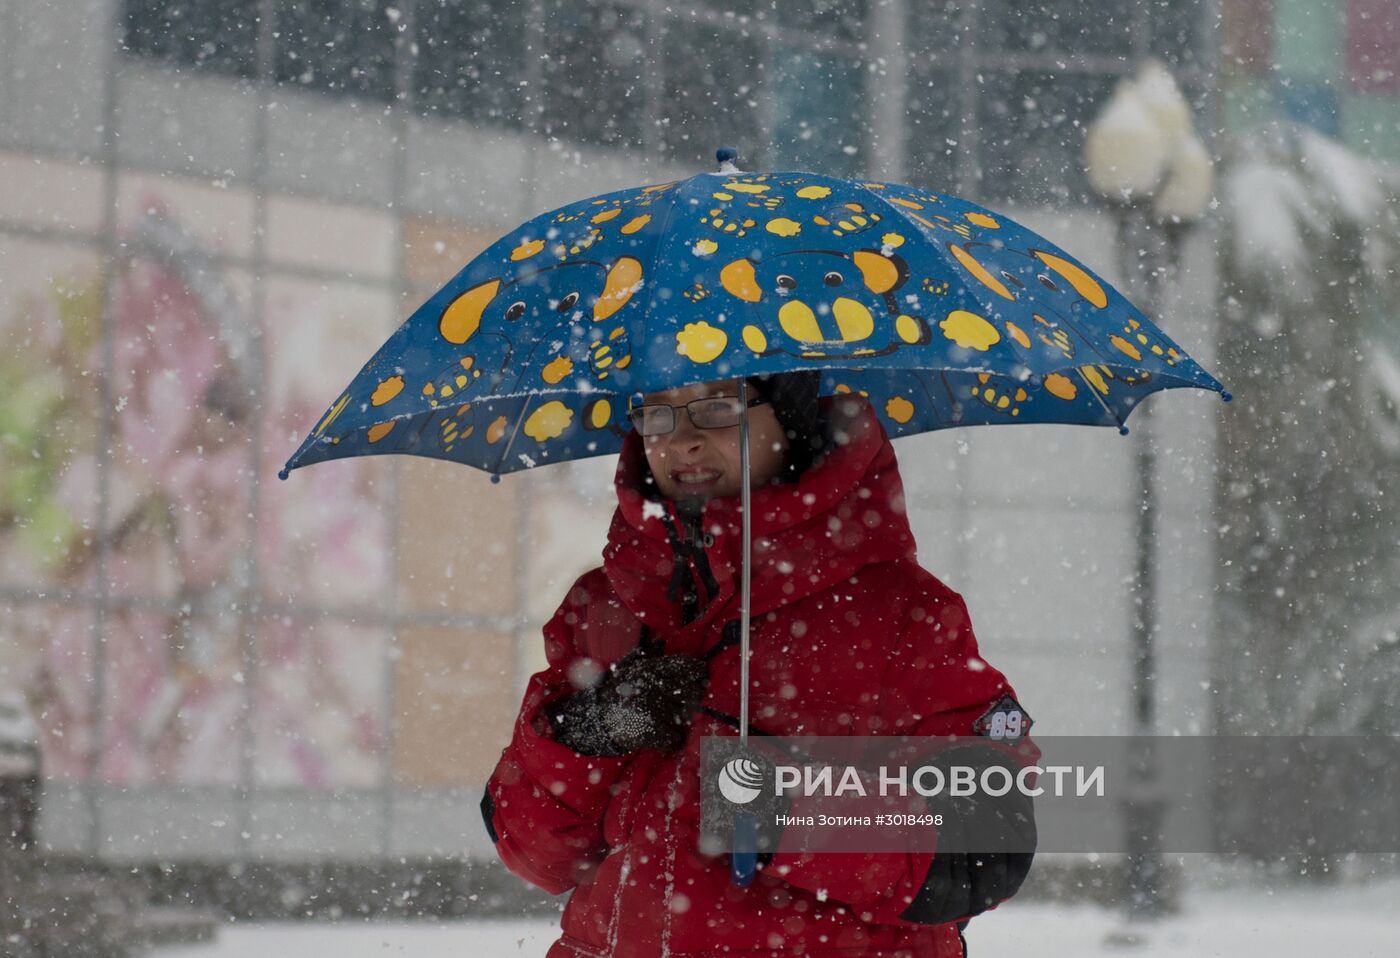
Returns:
(217, 219)
(936, 103)
(711, 94)
(182, 424)
(319, 718)
(323, 535)
(216, 35)
(560, 544)
(819, 113)
(1197, 92)
(48, 655)
(933, 27)
(352, 240)
(341, 46)
(471, 59)
(50, 411)
(456, 701)
(1177, 29)
(464, 558)
(173, 692)
(594, 73)
(434, 251)
(834, 19)
(1104, 27)
(932, 128)
(1033, 127)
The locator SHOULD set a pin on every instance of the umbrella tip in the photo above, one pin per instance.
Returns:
(283, 474)
(726, 156)
(1225, 395)
(495, 479)
(1122, 430)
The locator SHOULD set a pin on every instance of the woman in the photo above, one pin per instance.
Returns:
(598, 792)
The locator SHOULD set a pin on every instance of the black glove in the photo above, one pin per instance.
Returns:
(644, 701)
(994, 838)
(717, 812)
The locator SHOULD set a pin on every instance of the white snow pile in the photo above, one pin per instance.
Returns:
(17, 727)
(1143, 147)
(1292, 194)
(1381, 402)
(1243, 917)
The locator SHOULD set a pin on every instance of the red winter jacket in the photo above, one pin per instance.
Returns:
(849, 637)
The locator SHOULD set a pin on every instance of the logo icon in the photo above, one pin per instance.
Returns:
(741, 779)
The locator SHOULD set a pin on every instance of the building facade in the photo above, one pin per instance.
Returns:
(213, 212)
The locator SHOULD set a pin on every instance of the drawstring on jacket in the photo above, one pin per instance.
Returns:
(691, 563)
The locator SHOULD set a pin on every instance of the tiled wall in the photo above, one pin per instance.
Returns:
(1333, 65)
(347, 649)
(355, 631)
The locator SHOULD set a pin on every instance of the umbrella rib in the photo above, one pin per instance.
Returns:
(1122, 427)
(514, 430)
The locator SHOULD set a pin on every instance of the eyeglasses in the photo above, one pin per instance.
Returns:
(712, 412)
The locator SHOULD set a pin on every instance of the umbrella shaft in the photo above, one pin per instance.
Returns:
(744, 567)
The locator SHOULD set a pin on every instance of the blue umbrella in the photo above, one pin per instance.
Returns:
(941, 312)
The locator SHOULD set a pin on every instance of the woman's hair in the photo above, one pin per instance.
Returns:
(793, 397)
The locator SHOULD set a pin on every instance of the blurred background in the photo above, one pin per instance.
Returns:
(283, 698)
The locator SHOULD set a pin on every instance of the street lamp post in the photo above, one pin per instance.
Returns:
(1144, 808)
(1143, 156)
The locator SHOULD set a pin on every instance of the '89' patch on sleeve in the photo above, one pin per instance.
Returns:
(1004, 720)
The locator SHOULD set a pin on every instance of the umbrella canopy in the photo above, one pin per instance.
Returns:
(942, 312)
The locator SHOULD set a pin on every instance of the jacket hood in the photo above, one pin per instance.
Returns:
(845, 512)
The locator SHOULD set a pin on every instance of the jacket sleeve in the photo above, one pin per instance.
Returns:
(544, 803)
(936, 683)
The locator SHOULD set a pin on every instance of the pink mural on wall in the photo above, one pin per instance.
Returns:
(187, 405)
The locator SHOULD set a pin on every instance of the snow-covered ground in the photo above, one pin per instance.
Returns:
(1355, 921)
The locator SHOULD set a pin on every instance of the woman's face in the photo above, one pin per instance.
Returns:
(691, 463)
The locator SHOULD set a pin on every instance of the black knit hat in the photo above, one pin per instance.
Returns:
(793, 397)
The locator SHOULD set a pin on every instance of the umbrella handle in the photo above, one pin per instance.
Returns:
(743, 859)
